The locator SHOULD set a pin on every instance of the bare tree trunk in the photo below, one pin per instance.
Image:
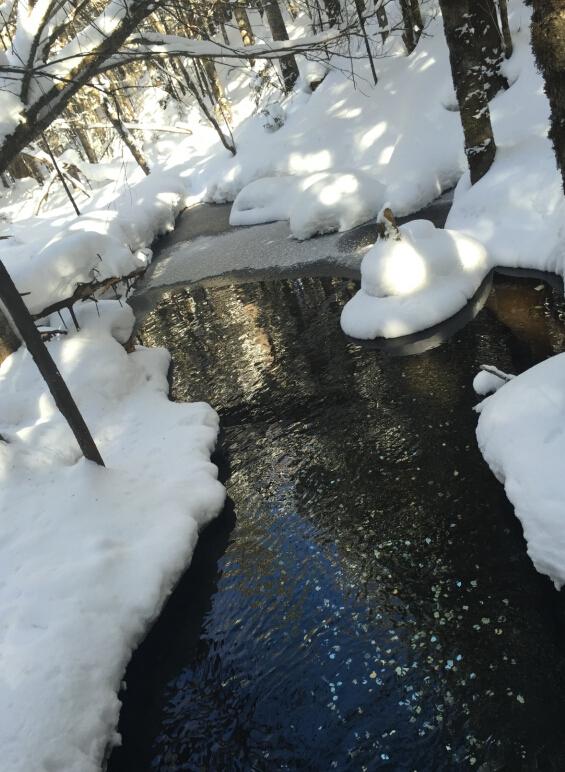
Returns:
(209, 115)
(382, 18)
(333, 11)
(548, 42)
(507, 37)
(9, 341)
(488, 39)
(243, 23)
(359, 8)
(74, 116)
(466, 70)
(289, 68)
(213, 79)
(22, 319)
(412, 30)
(113, 114)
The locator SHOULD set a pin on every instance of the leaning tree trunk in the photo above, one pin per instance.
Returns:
(548, 42)
(289, 68)
(112, 113)
(467, 72)
(382, 19)
(488, 38)
(9, 341)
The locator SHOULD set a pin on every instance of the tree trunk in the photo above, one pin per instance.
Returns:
(333, 11)
(113, 115)
(13, 302)
(9, 341)
(467, 73)
(213, 79)
(488, 39)
(410, 19)
(289, 68)
(506, 35)
(382, 18)
(243, 23)
(548, 42)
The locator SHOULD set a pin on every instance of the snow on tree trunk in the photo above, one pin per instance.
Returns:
(467, 73)
(277, 26)
(548, 42)
(506, 34)
(488, 38)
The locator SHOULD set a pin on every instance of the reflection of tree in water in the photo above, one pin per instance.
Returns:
(371, 461)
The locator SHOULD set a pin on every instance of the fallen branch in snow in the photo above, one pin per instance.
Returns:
(495, 371)
(87, 291)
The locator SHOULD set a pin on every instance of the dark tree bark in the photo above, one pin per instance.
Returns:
(467, 73)
(333, 11)
(412, 21)
(17, 309)
(277, 26)
(548, 42)
(488, 39)
(506, 35)
(382, 18)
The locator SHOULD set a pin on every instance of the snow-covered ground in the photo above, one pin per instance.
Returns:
(88, 555)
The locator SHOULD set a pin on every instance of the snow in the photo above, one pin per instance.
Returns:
(89, 554)
(486, 382)
(314, 204)
(414, 281)
(520, 434)
(49, 256)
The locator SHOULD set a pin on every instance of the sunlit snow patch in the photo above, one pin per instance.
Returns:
(521, 437)
(316, 203)
(414, 282)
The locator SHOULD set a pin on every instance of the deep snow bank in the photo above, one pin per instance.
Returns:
(521, 436)
(88, 555)
(49, 256)
(316, 204)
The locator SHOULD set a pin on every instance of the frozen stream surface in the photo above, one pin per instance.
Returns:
(365, 600)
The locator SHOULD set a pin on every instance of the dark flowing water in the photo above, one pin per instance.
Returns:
(365, 601)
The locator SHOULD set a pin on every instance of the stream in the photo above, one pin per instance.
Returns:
(365, 600)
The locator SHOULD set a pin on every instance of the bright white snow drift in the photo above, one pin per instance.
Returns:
(414, 281)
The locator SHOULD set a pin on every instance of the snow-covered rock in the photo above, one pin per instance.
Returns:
(414, 282)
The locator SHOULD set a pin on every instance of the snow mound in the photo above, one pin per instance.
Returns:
(335, 202)
(414, 282)
(316, 203)
(489, 381)
(520, 434)
(265, 200)
(88, 555)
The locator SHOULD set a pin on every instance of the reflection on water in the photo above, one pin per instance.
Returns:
(366, 602)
